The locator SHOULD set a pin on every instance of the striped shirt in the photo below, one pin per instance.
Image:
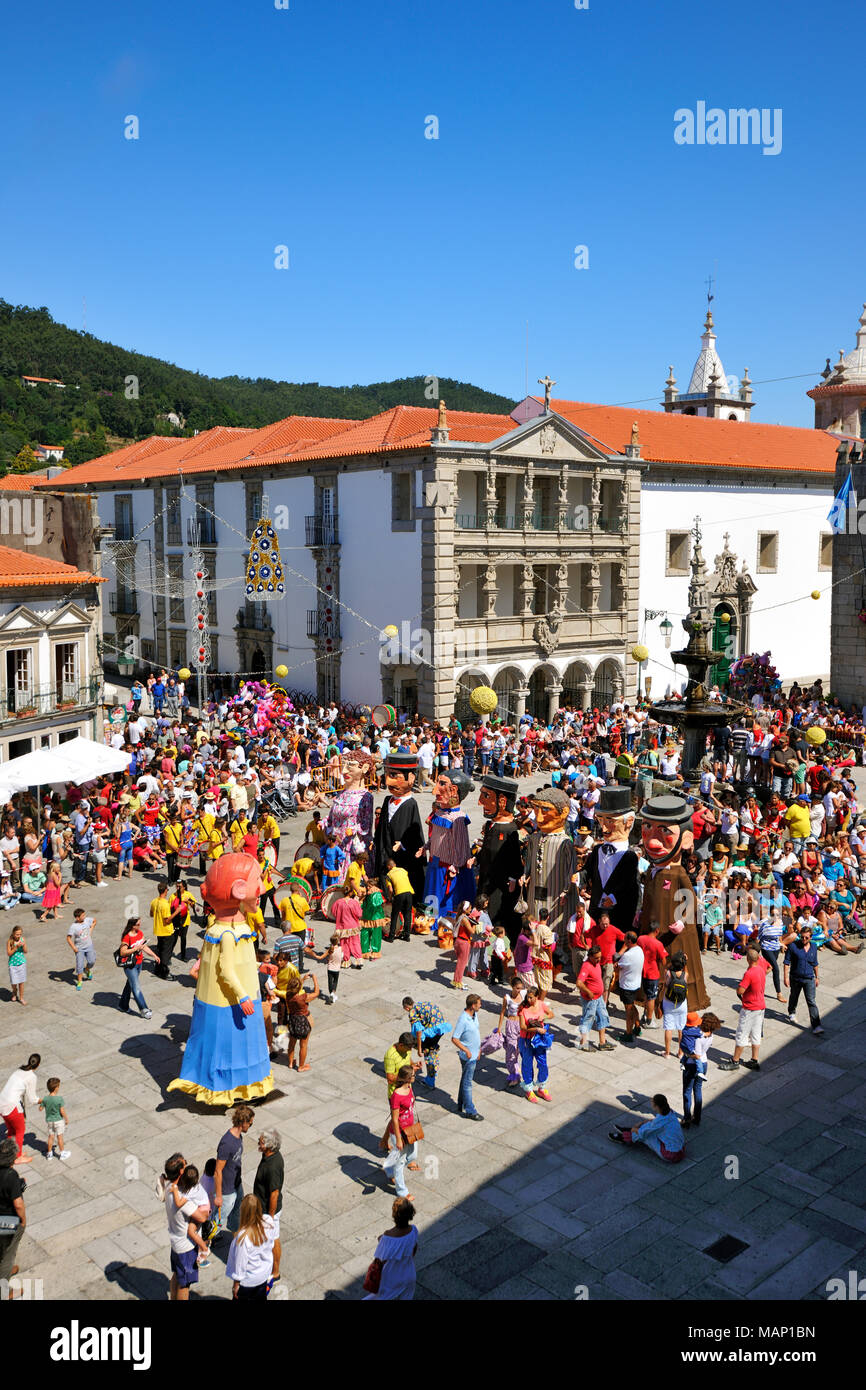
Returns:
(770, 933)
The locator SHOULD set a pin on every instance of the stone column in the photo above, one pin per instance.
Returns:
(520, 695)
(586, 693)
(617, 686)
(622, 582)
(563, 498)
(561, 588)
(595, 501)
(490, 591)
(528, 497)
(527, 590)
(553, 693)
(594, 586)
(490, 498)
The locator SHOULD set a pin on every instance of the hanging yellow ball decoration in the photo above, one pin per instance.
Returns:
(184, 673)
(816, 593)
(281, 671)
(639, 652)
(484, 699)
(816, 736)
(724, 617)
(390, 630)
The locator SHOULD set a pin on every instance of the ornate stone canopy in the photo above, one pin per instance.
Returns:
(727, 582)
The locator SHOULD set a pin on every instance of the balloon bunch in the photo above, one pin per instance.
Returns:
(754, 674)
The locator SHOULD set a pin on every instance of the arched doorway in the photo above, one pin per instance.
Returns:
(466, 683)
(537, 701)
(505, 683)
(607, 677)
(257, 662)
(725, 639)
(572, 684)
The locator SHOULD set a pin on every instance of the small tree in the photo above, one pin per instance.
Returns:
(25, 460)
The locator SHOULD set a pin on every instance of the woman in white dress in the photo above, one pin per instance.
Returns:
(396, 1251)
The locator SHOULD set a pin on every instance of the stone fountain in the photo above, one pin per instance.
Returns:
(695, 714)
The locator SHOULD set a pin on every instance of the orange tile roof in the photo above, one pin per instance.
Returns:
(20, 482)
(673, 439)
(693, 439)
(19, 569)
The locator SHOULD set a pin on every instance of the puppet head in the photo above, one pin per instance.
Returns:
(401, 769)
(232, 885)
(497, 797)
(451, 787)
(551, 810)
(357, 762)
(613, 813)
(666, 829)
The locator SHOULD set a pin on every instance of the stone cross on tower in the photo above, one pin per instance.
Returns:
(546, 382)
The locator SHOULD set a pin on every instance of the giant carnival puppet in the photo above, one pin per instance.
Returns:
(499, 853)
(669, 897)
(226, 1057)
(351, 815)
(550, 862)
(399, 834)
(612, 867)
(450, 879)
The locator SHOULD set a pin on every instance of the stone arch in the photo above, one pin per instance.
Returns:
(506, 682)
(574, 681)
(538, 700)
(607, 682)
(466, 682)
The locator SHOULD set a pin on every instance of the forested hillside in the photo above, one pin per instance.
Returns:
(114, 394)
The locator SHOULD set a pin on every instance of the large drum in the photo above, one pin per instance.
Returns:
(330, 898)
(308, 850)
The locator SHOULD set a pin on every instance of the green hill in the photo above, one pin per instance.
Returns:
(98, 408)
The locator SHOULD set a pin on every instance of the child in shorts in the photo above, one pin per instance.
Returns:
(55, 1117)
(334, 958)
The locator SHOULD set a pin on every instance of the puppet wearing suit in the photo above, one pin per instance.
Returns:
(399, 833)
(669, 896)
(612, 867)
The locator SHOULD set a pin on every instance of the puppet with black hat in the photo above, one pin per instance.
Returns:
(669, 896)
(450, 879)
(612, 867)
(499, 853)
(399, 833)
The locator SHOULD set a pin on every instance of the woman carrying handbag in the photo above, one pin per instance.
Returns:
(391, 1274)
(405, 1132)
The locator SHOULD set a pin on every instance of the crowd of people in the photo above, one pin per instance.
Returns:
(554, 901)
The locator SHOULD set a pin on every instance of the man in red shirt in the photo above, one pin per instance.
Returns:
(751, 1024)
(591, 986)
(654, 960)
(605, 935)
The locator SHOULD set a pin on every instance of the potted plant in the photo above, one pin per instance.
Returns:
(25, 712)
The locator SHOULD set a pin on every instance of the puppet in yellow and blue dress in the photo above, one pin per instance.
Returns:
(450, 879)
(226, 1057)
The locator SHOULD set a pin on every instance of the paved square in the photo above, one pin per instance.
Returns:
(534, 1203)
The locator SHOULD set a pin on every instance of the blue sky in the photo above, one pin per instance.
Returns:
(305, 127)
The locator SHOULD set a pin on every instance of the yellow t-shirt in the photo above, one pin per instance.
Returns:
(293, 909)
(399, 881)
(285, 975)
(239, 829)
(160, 911)
(315, 833)
(302, 867)
(394, 1060)
(256, 920)
(269, 828)
(799, 822)
(354, 875)
(173, 833)
(214, 845)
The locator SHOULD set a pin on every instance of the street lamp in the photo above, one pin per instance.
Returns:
(667, 628)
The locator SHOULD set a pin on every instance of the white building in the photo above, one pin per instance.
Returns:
(529, 551)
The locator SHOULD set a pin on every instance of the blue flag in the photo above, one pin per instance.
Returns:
(837, 515)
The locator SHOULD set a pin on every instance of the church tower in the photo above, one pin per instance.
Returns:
(709, 391)
(840, 403)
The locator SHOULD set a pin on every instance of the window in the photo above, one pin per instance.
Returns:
(678, 552)
(210, 569)
(175, 591)
(123, 517)
(254, 506)
(177, 650)
(768, 552)
(66, 672)
(172, 516)
(401, 499)
(501, 499)
(19, 678)
(148, 649)
(204, 508)
(825, 550)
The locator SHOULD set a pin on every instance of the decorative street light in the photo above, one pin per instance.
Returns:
(667, 628)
